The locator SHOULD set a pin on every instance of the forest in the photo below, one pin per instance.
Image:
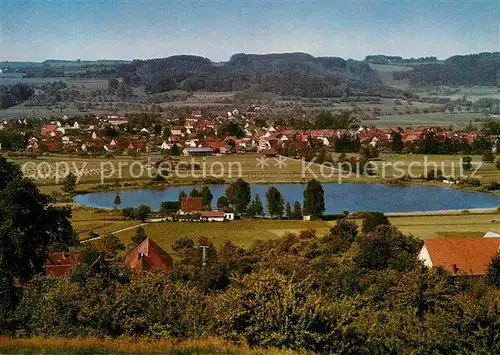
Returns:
(11, 95)
(297, 74)
(473, 69)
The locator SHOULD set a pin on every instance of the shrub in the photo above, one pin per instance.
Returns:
(332, 216)
(466, 163)
(488, 157)
(299, 317)
(493, 186)
(372, 220)
(386, 247)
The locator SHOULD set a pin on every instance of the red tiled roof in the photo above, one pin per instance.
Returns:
(48, 128)
(59, 264)
(54, 146)
(462, 255)
(216, 145)
(148, 255)
(116, 118)
(212, 214)
(138, 144)
(191, 204)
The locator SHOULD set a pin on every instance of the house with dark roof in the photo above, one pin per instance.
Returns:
(148, 256)
(460, 256)
(201, 151)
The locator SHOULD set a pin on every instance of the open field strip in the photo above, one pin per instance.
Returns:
(245, 232)
(455, 120)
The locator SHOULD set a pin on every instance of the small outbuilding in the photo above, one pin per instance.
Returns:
(197, 151)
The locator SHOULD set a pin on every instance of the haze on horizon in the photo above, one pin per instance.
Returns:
(36, 31)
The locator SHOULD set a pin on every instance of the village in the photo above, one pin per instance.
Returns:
(205, 135)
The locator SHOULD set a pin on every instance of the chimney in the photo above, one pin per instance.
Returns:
(454, 268)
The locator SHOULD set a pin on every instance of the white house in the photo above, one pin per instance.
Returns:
(191, 143)
(76, 125)
(213, 216)
(144, 130)
(491, 235)
(94, 135)
(264, 143)
(165, 146)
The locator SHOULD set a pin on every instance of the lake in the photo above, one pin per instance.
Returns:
(338, 197)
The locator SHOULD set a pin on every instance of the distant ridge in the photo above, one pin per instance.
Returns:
(294, 74)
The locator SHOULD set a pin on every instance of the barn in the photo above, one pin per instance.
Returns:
(197, 152)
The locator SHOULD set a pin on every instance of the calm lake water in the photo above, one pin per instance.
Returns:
(338, 197)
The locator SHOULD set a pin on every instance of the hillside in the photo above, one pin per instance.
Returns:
(473, 69)
(294, 74)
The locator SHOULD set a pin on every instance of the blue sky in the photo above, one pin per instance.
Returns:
(101, 29)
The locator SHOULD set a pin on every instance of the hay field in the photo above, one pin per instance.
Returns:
(455, 120)
(384, 72)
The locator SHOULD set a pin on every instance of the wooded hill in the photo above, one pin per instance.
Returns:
(473, 69)
(297, 74)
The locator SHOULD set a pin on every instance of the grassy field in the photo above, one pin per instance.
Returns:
(473, 93)
(245, 232)
(455, 120)
(87, 220)
(242, 233)
(46, 346)
(463, 225)
(384, 72)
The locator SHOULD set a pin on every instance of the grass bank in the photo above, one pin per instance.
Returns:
(46, 346)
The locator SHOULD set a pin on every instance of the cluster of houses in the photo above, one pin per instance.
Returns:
(146, 256)
(459, 256)
(198, 135)
(192, 208)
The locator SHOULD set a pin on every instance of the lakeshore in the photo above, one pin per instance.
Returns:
(226, 168)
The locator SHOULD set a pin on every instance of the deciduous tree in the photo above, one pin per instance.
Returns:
(238, 195)
(29, 226)
(274, 202)
(314, 200)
